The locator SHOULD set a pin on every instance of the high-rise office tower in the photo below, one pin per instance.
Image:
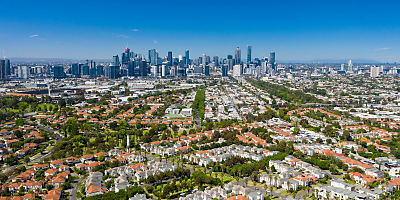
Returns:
(126, 56)
(200, 60)
(131, 68)
(350, 66)
(7, 67)
(92, 68)
(230, 61)
(2, 69)
(238, 55)
(272, 60)
(142, 68)
(224, 70)
(153, 56)
(164, 69)
(342, 67)
(154, 71)
(85, 70)
(132, 54)
(204, 59)
(216, 60)
(237, 70)
(187, 57)
(23, 72)
(116, 60)
(75, 70)
(248, 54)
(93, 72)
(110, 71)
(206, 70)
(91, 64)
(58, 71)
(169, 58)
(100, 70)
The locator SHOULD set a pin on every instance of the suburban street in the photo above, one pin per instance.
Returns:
(41, 158)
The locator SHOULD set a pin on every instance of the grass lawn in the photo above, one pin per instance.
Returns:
(226, 177)
(48, 148)
(12, 110)
(284, 193)
(42, 105)
(350, 182)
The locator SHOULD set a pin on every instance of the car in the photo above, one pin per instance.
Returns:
(182, 194)
(256, 188)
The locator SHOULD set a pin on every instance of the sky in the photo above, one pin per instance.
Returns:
(297, 30)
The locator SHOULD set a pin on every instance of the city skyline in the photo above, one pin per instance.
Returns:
(299, 31)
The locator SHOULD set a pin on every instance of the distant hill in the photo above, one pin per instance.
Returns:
(35, 60)
(342, 61)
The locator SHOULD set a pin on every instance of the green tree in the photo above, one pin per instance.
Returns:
(19, 122)
(11, 160)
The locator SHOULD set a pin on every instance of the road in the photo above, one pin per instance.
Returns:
(75, 189)
(262, 190)
(42, 157)
(58, 139)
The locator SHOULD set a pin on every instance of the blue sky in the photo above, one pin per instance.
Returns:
(294, 29)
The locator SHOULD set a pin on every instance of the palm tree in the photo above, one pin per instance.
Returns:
(288, 185)
(270, 189)
(166, 156)
(237, 179)
(265, 187)
(270, 179)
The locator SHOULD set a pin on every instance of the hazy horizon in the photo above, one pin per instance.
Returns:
(295, 30)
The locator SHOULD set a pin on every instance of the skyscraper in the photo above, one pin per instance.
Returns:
(187, 57)
(216, 60)
(23, 72)
(126, 56)
(238, 55)
(153, 57)
(204, 59)
(2, 69)
(224, 70)
(116, 60)
(272, 60)
(229, 61)
(350, 66)
(7, 67)
(248, 54)
(110, 71)
(85, 70)
(206, 70)
(131, 68)
(169, 58)
(100, 70)
(142, 68)
(75, 70)
(237, 70)
(93, 71)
